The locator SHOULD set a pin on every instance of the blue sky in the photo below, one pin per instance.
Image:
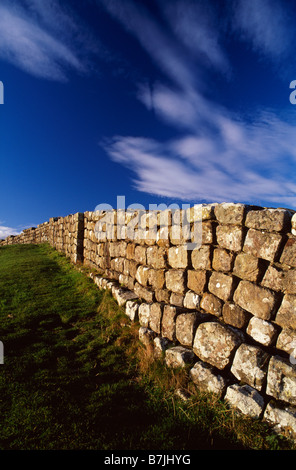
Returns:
(160, 101)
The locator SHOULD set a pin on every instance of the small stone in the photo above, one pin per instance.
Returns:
(230, 237)
(255, 299)
(230, 213)
(235, 315)
(146, 336)
(144, 314)
(131, 310)
(286, 315)
(191, 300)
(222, 260)
(281, 380)
(246, 267)
(169, 322)
(178, 257)
(186, 324)
(282, 419)
(201, 257)
(211, 304)
(245, 399)
(263, 245)
(197, 280)
(206, 379)
(175, 280)
(262, 331)
(155, 317)
(250, 365)
(221, 285)
(272, 220)
(178, 356)
(273, 278)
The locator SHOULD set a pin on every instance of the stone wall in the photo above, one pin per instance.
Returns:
(225, 308)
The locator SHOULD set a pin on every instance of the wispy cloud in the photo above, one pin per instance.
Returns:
(6, 231)
(221, 155)
(38, 38)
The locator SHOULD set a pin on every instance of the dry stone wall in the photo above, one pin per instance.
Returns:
(226, 309)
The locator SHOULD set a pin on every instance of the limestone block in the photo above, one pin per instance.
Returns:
(262, 331)
(186, 324)
(178, 356)
(255, 299)
(222, 260)
(245, 399)
(282, 419)
(122, 295)
(191, 300)
(246, 267)
(235, 315)
(293, 223)
(221, 285)
(142, 275)
(286, 315)
(156, 278)
(201, 257)
(207, 235)
(176, 299)
(193, 213)
(175, 280)
(250, 365)
(160, 346)
(131, 310)
(140, 254)
(156, 257)
(197, 280)
(230, 213)
(168, 327)
(207, 379)
(178, 257)
(143, 292)
(162, 295)
(144, 314)
(155, 317)
(281, 380)
(287, 342)
(273, 278)
(289, 282)
(211, 304)
(215, 343)
(262, 244)
(230, 237)
(272, 220)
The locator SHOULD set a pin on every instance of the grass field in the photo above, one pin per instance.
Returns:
(76, 377)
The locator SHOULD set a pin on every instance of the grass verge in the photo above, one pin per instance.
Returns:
(76, 377)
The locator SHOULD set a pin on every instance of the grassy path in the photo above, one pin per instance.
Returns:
(75, 377)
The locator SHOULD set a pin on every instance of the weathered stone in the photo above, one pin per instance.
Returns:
(293, 223)
(287, 342)
(289, 252)
(206, 379)
(142, 275)
(175, 280)
(230, 237)
(140, 254)
(207, 232)
(168, 327)
(281, 380)
(201, 257)
(257, 300)
(143, 293)
(286, 315)
(156, 278)
(263, 245)
(160, 346)
(197, 280)
(155, 317)
(221, 285)
(235, 315)
(250, 365)
(273, 278)
(194, 214)
(156, 257)
(215, 343)
(245, 399)
(146, 336)
(230, 213)
(211, 304)
(122, 296)
(262, 331)
(162, 295)
(186, 324)
(178, 356)
(222, 260)
(131, 310)
(272, 220)
(282, 419)
(178, 257)
(144, 314)
(289, 282)
(176, 299)
(191, 300)
(246, 267)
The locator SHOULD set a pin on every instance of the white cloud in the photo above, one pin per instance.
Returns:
(6, 231)
(39, 39)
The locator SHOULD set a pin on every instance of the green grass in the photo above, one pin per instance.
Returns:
(76, 377)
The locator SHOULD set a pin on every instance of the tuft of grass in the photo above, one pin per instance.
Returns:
(76, 377)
